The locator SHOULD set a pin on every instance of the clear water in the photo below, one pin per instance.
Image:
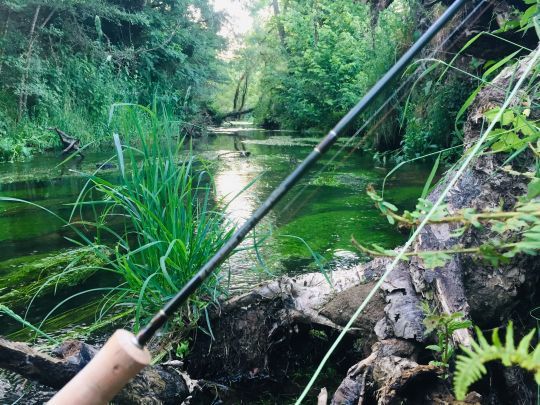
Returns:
(317, 218)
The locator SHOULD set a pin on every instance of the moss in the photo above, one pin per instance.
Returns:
(21, 278)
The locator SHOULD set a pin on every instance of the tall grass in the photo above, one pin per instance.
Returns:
(165, 221)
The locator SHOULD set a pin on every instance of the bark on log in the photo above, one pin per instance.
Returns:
(158, 384)
(277, 326)
(485, 293)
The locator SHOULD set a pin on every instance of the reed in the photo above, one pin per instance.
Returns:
(160, 215)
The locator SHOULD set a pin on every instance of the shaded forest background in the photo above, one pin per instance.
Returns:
(64, 63)
(304, 64)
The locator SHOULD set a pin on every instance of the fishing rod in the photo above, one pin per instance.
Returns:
(124, 354)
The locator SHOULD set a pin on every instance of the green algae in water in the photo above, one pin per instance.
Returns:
(283, 140)
(23, 277)
(79, 322)
(332, 207)
(344, 180)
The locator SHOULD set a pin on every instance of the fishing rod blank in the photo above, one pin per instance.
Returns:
(124, 355)
(161, 317)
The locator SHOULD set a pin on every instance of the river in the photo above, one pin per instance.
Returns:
(311, 228)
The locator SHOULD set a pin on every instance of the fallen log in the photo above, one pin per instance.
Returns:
(285, 325)
(486, 294)
(235, 114)
(69, 143)
(158, 384)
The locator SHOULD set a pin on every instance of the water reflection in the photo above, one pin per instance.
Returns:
(239, 188)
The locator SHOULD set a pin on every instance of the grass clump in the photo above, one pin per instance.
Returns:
(161, 217)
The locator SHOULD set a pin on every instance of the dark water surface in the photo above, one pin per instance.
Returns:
(311, 229)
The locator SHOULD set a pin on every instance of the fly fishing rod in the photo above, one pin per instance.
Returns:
(124, 354)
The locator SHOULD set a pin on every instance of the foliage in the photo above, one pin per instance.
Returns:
(471, 366)
(443, 325)
(516, 131)
(10, 313)
(515, 232)
(322, 56)
(64, 63)
(430, 114)
(169, 226)
(153, 228)
(522, 21)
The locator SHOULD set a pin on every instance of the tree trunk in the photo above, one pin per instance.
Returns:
(237, 92)
(280, 27)
(23, 96)
(244, 92)
(159, 383)
(6, 26)
(315, 23)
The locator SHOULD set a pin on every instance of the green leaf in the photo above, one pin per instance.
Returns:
(466, 105)
(119, 153)
(431, 176)
(470, 215)
(524, 126)
(470, 367)
(507, 118)
(390, 206)
(499, 64)
(533, 189)
(528, 14)
(378, 248)
(434, 259)
(456, 233)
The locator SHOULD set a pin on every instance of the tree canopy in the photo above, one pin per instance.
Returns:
(64, 62)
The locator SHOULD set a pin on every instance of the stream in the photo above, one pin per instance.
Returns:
(310, 230)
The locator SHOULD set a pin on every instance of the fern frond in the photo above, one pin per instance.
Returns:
(470, 366)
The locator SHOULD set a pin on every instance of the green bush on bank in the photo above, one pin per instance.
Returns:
(64, 63)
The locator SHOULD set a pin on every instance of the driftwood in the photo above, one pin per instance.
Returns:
(393, 367)
(159, 384)
(69, 143)
(272, 330)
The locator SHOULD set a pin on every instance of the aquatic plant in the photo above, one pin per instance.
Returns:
(169, 226)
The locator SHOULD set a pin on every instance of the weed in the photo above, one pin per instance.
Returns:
(169, 225)
(443, 325)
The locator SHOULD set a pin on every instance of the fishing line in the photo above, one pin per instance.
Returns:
(146, 333)
(471, 155)
(290, 208)
(368, 122)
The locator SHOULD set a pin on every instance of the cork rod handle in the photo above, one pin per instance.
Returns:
(118, 361)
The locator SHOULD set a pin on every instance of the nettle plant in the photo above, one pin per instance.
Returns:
(516, 130)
